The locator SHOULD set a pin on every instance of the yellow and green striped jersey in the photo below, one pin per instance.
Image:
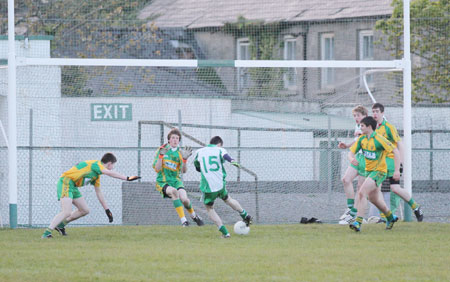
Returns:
(375, 148)
(87, 172)
(388, 131)
(171, 166)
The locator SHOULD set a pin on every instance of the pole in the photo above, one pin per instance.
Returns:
(407, 116)
(12, 119)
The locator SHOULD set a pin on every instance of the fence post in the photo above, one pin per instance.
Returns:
(139, 147)
(30, 172)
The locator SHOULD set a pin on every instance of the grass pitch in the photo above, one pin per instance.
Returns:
(320, 252)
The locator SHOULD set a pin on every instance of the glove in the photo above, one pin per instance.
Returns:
(236, 164)
(133, 178)
(109, 214)
(186, 152)
(163, 150)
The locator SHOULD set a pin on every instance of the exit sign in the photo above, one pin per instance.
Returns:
(111, 112)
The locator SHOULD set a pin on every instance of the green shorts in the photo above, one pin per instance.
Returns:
(390, 167)
(377, 176)
(161, 186)
(209, 198)
(361, 168)
(66, 189)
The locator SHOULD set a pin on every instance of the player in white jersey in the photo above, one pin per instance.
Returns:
(209, 161)
(353, 170)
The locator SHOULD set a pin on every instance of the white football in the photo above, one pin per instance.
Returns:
(241, 228)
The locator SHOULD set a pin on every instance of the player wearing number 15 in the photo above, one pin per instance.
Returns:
(209, 161)
(83, 173)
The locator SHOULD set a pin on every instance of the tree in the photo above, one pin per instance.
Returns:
(429, 46)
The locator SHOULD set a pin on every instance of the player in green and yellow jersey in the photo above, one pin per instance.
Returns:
(375, 148)
(83, 173)
(388, 131)
(169, 163)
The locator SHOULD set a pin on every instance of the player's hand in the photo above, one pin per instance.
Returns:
(186, 152)
(133, 178)
(163, 150)
(109, 214)
(236, 164)
(342, 145)
(396, 175)
(355, 162)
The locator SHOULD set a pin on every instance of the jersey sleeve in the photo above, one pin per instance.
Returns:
(393, 134)
(357, 145)
(96, 181)
(223, 152)
(388, 147)
(97, 167)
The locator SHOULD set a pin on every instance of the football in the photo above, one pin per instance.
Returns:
(241, 228)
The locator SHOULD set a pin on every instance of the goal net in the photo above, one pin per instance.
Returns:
(277, 82)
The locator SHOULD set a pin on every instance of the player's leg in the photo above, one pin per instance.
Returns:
(82, 209)
(66, 210)
(376, 197)
(187, 204)
(361, 204)
(235, 205)
(208, 200)
(172, 193)
(402, 193)
(347, 182)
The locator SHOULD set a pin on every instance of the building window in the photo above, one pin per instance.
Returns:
(327, 53)
(366, 51)
(290, 48)
(243, 53)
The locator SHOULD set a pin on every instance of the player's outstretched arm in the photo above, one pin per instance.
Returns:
(117, 175)
(160, 154)
(397, 158)
(351, 158)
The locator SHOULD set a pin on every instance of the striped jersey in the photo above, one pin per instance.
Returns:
(375, 148)
(210, 160)
(171, 166)
(84, 173)
(388, 131)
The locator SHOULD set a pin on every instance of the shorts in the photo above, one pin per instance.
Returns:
(66, 189)
(161, 187)
(377, 176)
(391, 169)
(361, 168)
(209, 198)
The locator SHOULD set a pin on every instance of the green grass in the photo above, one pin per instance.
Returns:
(321, 252)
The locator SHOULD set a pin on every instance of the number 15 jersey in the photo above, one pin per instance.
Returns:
(209, 161)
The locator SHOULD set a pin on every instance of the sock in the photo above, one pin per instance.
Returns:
(389, 216)
(353, 212)
(413, 204)
(47, 231)
(63, 224)
(394, 202)
(191, 210)
(243, 214)
(223, 230)
(383, 216)
(359, 219)
(179, 208)
(350, 203)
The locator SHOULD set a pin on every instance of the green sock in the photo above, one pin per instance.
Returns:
(389, 216)
(353, 212)
(350, 203)
(47, 231)
(359, 219)
(223, 230)
(412, 204)
(62, 224)
(243, 214)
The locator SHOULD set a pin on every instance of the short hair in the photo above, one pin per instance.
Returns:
(174, 131)
(108, 157)
(369, 121)
(361, 109)
(216, 140)
(378, 106)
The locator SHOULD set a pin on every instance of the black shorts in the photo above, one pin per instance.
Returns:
(165, 188)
